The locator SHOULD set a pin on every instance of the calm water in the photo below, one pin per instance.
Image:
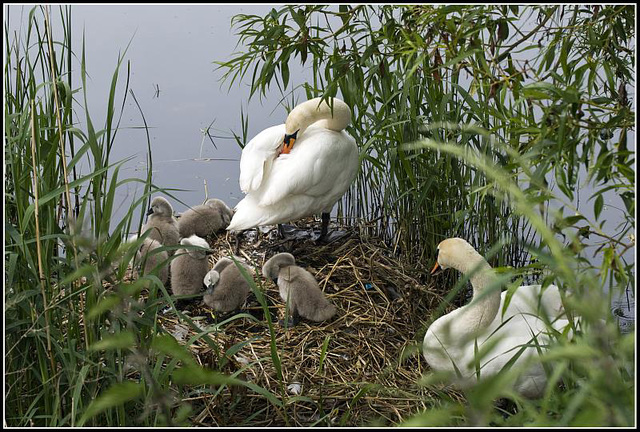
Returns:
(173, 77)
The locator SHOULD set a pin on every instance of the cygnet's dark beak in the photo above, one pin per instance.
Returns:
(150, 211)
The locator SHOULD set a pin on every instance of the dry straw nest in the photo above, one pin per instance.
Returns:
(372, 362)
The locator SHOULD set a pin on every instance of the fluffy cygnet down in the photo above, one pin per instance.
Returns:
(299, 288)
(153, 261)
(163, 226)
(227, 289)
(205, 219)
(189, 267)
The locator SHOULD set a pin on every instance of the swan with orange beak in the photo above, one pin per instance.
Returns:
(490, 336)
(299, 168)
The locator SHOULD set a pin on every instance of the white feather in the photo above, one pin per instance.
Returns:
(257, 157)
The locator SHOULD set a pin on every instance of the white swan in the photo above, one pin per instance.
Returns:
(285, 182)
(451, 339)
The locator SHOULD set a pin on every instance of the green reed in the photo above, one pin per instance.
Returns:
(78, 353)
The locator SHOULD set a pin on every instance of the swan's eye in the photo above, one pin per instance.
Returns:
(293, 135)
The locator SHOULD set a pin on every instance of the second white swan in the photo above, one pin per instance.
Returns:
(452, 342)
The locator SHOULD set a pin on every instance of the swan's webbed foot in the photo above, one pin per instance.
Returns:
(322, 239)
(288, 232)
(330, 237)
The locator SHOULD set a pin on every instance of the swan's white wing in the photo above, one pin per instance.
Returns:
(321, 163)
(306, 181)
(258, 157)
(529, 299)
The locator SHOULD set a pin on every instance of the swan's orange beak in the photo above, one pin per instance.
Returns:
(435, 268)
(288, 142)
(287, 145)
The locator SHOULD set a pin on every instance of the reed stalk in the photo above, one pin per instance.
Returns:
(37, 232)
(63, 157)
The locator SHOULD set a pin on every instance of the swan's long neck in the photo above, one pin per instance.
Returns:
(310, 112)
(462, 325)
(484, 305)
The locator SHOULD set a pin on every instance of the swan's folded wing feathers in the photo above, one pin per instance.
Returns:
(254, 167)
(312, 171)
(290, 181)
(251, 172)
(258, 157)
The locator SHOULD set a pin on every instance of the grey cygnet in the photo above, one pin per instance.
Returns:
(152, 260)
(205, 219)
(163, 226)
(189, 267)
(305, 297)
(227, 289)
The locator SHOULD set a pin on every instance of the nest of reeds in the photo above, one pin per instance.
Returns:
(360, 367)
